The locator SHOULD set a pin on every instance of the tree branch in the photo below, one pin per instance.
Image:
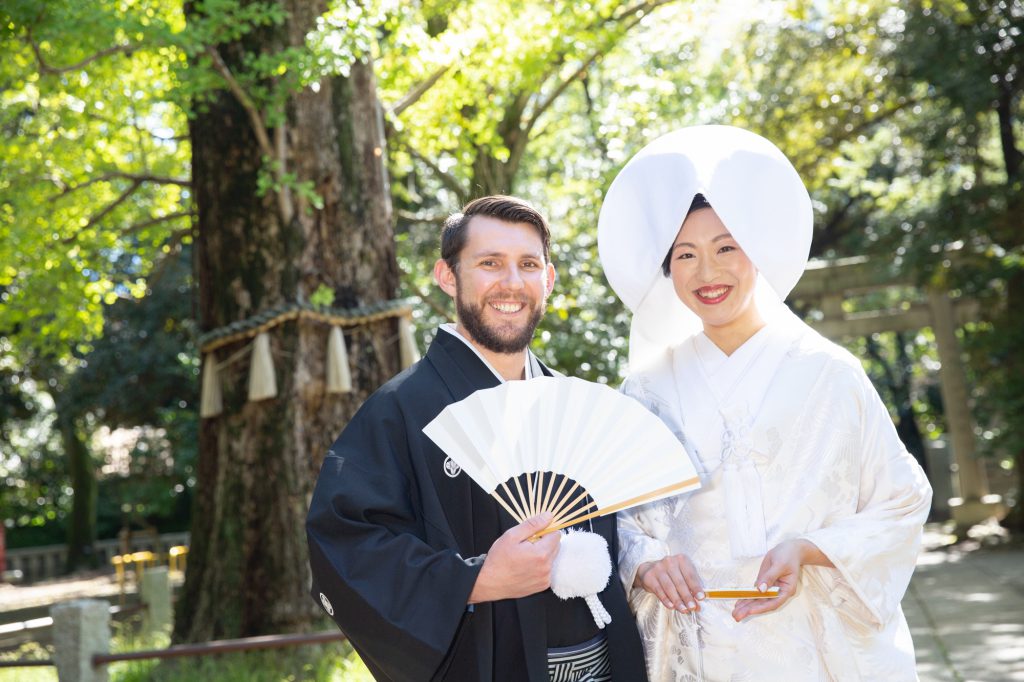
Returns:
(161, 263)
(417, 92)
(630, 15)
(830, 233)
(114, 204)
(447, 179)
(134, 177)
(805, 168)
(45, 67)
(138, 227)
(284, 193)
(284, 199)
(434, 305)
(105, 212)
(560, 88)
(255, 118)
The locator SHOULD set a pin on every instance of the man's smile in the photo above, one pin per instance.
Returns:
(507, 307)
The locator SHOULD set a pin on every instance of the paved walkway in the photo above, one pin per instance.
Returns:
(42, 594)
(965, 607)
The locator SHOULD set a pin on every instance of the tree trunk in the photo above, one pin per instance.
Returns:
(1013, 333)
(490, 175)
(248, 572)
(1013, 391)
(1012, 157)
(494, 175)
(82, 474)
(898, 377)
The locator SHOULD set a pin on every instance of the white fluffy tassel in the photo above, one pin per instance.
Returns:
(582, 569)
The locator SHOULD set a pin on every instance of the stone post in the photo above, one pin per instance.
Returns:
(975, 504)
(81, 628)
(155, 592)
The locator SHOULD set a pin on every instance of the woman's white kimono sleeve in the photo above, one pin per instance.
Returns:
(642, 530)
(875, 549)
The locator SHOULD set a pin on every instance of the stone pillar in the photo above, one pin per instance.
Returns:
(81, 628)
(155, 592)
(975, 504)
(832, 307)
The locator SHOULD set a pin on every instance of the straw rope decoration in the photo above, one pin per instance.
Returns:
(563, 445)
(262, 382)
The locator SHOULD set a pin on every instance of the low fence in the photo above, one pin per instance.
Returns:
(82, 635)
(48, 561)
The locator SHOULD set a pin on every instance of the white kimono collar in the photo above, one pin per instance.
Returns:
(738, 385)
(528, 360)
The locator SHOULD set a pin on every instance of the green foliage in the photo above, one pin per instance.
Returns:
(272, 178)
(530, 100)
(29, 651)
(257, 666)
(323, 296)
(89, 165)
(904, 119)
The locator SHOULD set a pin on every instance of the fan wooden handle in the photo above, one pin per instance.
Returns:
(632, 502)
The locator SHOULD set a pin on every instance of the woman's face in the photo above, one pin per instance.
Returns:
(713, 277)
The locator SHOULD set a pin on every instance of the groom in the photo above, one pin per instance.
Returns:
(426, 574)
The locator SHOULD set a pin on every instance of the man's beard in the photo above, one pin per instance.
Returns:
(496, 339)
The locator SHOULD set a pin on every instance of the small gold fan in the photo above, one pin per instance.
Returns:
(563, 445)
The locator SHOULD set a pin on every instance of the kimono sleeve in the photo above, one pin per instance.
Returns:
(400, 600)
(875, 549)
(638, 544)
(641, 536)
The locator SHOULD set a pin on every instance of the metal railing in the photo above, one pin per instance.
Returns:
(47, 561)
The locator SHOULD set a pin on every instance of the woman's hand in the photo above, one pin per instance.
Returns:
(780, 567)
(673, 580)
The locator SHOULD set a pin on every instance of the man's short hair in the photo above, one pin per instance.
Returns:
(506, 208)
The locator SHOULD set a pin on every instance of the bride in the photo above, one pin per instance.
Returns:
(807, 487)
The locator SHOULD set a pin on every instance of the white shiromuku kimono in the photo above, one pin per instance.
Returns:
(792, 441)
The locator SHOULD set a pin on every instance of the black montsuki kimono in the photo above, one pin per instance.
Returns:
(395, 544)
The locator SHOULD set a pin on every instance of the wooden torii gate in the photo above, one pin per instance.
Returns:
(826, 284)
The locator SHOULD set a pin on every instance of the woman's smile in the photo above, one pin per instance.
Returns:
(712, 295)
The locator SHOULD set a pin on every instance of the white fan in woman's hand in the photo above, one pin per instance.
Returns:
(563, 445)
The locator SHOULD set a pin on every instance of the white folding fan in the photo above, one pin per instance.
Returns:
(564, 445)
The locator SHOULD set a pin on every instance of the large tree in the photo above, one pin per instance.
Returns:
(103, 103)
(292, 197)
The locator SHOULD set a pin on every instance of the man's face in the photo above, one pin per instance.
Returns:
(501, 284)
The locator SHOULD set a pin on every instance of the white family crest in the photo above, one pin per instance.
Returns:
(451, 467)
(327, 604)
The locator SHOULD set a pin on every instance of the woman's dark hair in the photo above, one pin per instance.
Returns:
(698, 203)
(506, 208)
